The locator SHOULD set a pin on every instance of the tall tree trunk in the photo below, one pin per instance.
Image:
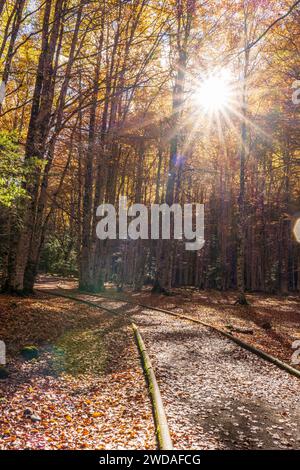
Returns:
(86, 280)
(35, 146)
(35, 242)
(164, 269)
(241, 235)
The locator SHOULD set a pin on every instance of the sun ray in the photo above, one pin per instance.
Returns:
(213, 94)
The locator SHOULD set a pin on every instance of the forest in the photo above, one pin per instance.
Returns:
(104, 99)
(164, 102)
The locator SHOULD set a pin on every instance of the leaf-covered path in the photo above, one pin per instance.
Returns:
(89, 390)
(217, 395)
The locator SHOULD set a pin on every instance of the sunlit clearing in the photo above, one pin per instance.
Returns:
(214, 94)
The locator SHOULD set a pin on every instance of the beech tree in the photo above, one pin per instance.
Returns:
(176, 102)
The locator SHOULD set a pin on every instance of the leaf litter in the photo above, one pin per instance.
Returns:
(85, 391)
(216, 394)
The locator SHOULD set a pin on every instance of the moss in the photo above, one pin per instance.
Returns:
(79, 352)
(30, 352)
(163, 437)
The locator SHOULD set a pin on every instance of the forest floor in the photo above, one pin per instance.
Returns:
(86, 390)
(274, 319)
(89, 391)
(216, 394)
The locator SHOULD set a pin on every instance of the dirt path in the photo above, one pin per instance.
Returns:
(217, 395)
(274, 320)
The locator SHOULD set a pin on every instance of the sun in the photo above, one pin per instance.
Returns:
(214, 93)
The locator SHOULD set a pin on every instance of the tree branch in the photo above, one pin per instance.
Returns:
(291, 9)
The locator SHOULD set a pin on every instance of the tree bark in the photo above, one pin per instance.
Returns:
(35, 147)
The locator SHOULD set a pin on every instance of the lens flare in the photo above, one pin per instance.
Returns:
(214, 93)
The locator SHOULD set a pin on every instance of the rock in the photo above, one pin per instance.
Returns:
(266, 325)
(238, 329)
(35, 418)
(30, 352)
(3, 373)
(28, 413)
